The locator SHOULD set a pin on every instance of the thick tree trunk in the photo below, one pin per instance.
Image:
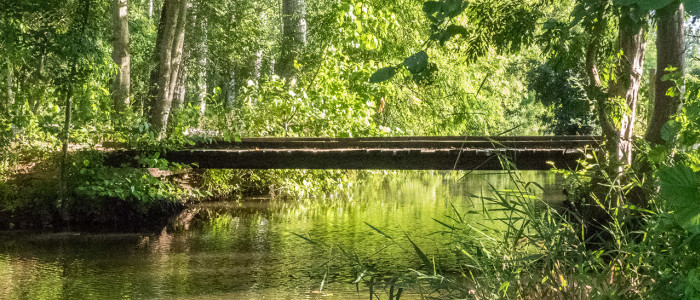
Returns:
(120, 55)
(179, 92)
(169, 46)
(293, 36)
(630, 69)
(670, 47)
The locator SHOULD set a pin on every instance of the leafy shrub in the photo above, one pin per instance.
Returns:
(94, 182)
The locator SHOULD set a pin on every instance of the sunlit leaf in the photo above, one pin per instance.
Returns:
(679, 185)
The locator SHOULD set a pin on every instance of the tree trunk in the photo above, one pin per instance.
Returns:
(150, 9)
(120, 55)
(169, 46)
(257, 68)
(629, 71)
(670, 47)
(179, 92)
(293, 36)
(623, 92)
(231, 91)
(204, 54)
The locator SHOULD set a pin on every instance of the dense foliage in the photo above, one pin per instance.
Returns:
(226, 69)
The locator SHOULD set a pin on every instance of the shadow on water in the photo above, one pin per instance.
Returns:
(250, 250)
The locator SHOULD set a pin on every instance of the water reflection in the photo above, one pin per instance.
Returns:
(251, 250)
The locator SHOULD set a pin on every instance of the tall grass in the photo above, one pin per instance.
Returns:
(595, 245)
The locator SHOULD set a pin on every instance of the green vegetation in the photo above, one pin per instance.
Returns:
(154, 76)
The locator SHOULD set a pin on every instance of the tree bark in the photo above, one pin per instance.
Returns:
(150, 8)
(169, 46)
(670, 46)
(120, 55)
(629, 71)
(179, 91)
(293, 36)
(231, 91)
(622, 94)
(204, 55)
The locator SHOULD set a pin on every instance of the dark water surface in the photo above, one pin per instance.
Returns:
(251, 250)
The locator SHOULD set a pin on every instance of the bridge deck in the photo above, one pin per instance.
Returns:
(402, 153)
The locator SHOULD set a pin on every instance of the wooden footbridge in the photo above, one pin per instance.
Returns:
(387, 153)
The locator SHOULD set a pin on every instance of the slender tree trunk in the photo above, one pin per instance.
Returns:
(63, 169)
(257, 68)
(120, 55)
(670, 47)
(258, 64)
(629, 71)
(231, 91)
(8, 80)
(169, 46)
(204, 55)
(150, 9)
(293, 36)
(179, 47)
(63, 180)
(623, 93)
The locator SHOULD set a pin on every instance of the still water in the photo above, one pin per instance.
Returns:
(253, 249)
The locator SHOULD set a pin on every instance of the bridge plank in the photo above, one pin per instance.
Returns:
(409, 153)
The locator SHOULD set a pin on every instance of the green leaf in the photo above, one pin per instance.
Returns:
(420, 252)
(431, 7)
(679, 185)
(625, 2)
(416, 63)
(653, 4)
(692, 7)
(658, 154)
(310, 241)
(383, 74)
(379, 231)
(578, 14)
(670, 131)
(454, 7)
(86, 163)
(452, 31)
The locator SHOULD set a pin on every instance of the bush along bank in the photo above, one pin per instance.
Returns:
(143, 196)
(93, 196)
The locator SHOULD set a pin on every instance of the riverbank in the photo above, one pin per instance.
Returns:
(104, 198)
(252, 249)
